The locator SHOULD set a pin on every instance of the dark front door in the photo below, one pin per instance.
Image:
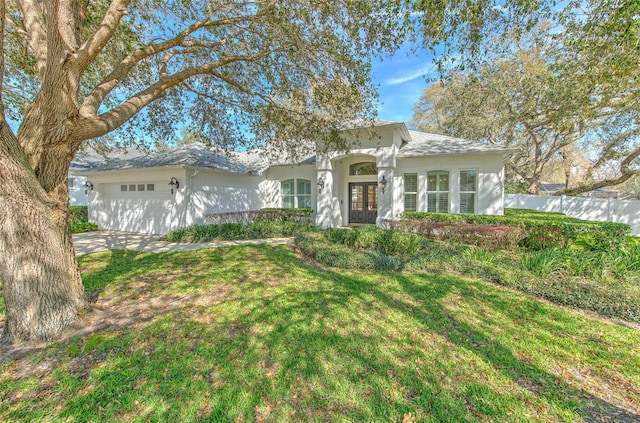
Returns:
(363, 202)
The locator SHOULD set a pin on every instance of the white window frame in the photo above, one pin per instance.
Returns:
(474, 192)
(413, 193)
(296, 194)
(438, 192)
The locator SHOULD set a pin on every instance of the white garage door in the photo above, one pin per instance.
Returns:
(141, 207)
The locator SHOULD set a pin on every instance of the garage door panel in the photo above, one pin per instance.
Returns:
(145, 212)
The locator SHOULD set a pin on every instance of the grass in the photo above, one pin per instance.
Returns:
(258, 334)
(548, 217)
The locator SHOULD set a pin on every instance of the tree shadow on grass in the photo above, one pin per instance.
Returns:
(331, 346)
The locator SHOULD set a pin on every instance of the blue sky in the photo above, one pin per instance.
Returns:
(401, 81)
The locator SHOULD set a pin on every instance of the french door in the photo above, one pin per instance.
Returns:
(363, 202)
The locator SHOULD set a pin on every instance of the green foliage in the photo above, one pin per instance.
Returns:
(279, 215)
(83, 227)
(400, 244)
(235, 231)
(559, 95)
(606, 282)
(80, 220)
(371, 238)
(539, 230)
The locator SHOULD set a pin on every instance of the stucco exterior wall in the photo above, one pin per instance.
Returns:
(490, 183)
(270, 193)
(77, 197)
(217, 192)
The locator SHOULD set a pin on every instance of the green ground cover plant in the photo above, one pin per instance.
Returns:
(605, 282)
(262, 334)
(80, 220)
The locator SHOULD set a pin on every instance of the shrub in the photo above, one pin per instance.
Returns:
(234, 231)
(317, 247)
(79, 214)
(399, 244)
(490, 236)
(363, 238)
(605, 282)
(80, 227)
(79, 217)
(302, 216)
(540, 230)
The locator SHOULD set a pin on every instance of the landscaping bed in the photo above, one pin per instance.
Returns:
(257, 224)
(529, 229)
(605, 282)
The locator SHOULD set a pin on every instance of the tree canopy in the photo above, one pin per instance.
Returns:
(568, 84)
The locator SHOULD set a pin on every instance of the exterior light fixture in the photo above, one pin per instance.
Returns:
(88, 186)
(174, 184)
(320, 184)
(383, 184)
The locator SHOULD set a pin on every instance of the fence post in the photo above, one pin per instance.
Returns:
(562, 204)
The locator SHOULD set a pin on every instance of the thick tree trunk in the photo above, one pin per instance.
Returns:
(41, 283)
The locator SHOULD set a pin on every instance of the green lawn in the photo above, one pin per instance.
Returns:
(256, 334)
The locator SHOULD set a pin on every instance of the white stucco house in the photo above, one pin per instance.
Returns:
(382, 176)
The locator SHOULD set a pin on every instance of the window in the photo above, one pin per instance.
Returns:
(140, 187)
(303, 190)
(151, 187)
(410, 191)
(132, 187)
(296, 193)
(123, 187)
(364, 168)
(468, 190)
(438, 191)
(71, 183)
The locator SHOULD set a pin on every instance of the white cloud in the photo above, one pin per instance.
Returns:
(418, 73)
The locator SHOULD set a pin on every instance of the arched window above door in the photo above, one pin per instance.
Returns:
(363, 168)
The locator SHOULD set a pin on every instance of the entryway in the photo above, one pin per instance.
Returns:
(363, 202)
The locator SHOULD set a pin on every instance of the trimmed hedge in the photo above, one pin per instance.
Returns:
(235, 231)
(539, 230)
(486, 236)
(302, 216)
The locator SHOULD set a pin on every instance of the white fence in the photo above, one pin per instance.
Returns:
(599, 209)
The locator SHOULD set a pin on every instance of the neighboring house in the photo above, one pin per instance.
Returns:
(551, 189)
(394, 171)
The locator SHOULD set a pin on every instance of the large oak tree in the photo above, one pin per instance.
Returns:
(238, 71)
(235, 71)
(564, 85)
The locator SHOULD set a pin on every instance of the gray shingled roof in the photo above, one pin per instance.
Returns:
(193, 155)
(425, 144)
(256, 161)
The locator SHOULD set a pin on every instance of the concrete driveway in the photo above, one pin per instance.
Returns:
(91, 242)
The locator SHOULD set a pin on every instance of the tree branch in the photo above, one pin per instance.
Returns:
(93, 101)
(91, 126)
(625, 173)
(94, 44)
(37, 35)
